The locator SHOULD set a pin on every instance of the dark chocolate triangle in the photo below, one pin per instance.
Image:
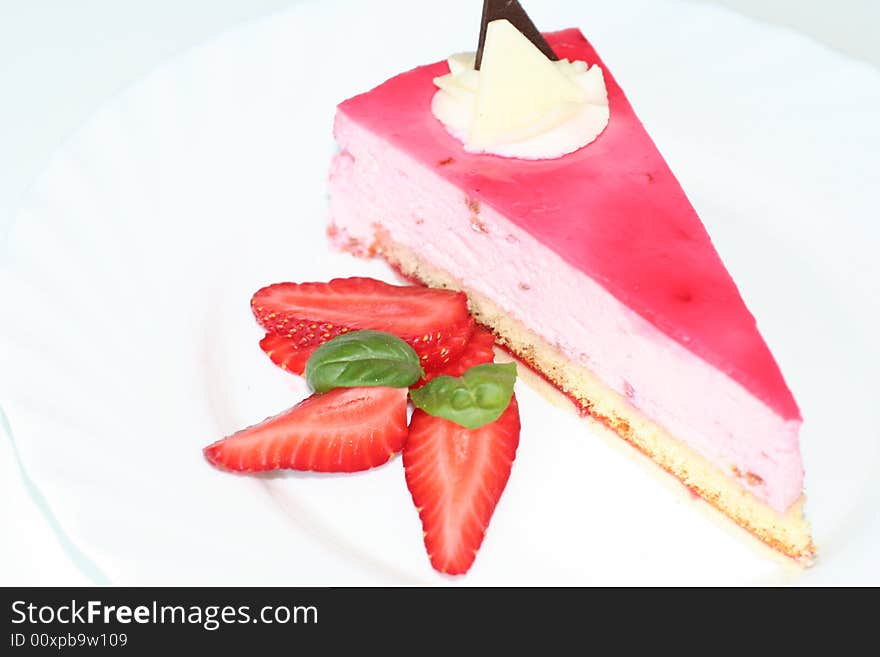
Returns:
(511, 10)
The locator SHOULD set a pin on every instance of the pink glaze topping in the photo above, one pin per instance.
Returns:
(613, 210)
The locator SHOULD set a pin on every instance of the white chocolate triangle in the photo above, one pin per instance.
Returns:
(519, 88)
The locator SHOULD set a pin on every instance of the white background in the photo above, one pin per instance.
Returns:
(60, 61)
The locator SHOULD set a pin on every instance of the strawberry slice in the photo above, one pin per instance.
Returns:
(478, 350)
(436, 323)
(285, 354)
(344, 430)
(456, 476)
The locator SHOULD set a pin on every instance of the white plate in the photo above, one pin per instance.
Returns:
(127, 342)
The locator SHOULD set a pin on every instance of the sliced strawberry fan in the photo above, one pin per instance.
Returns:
(455, 475)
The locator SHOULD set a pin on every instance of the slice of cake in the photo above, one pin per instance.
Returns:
(531, 185)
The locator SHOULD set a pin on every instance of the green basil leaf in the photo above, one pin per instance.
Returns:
(477, 397)
(363, 358)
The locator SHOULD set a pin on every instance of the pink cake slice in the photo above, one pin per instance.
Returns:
(595, 270)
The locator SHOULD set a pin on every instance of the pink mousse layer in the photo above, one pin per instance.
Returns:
(600, 252)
